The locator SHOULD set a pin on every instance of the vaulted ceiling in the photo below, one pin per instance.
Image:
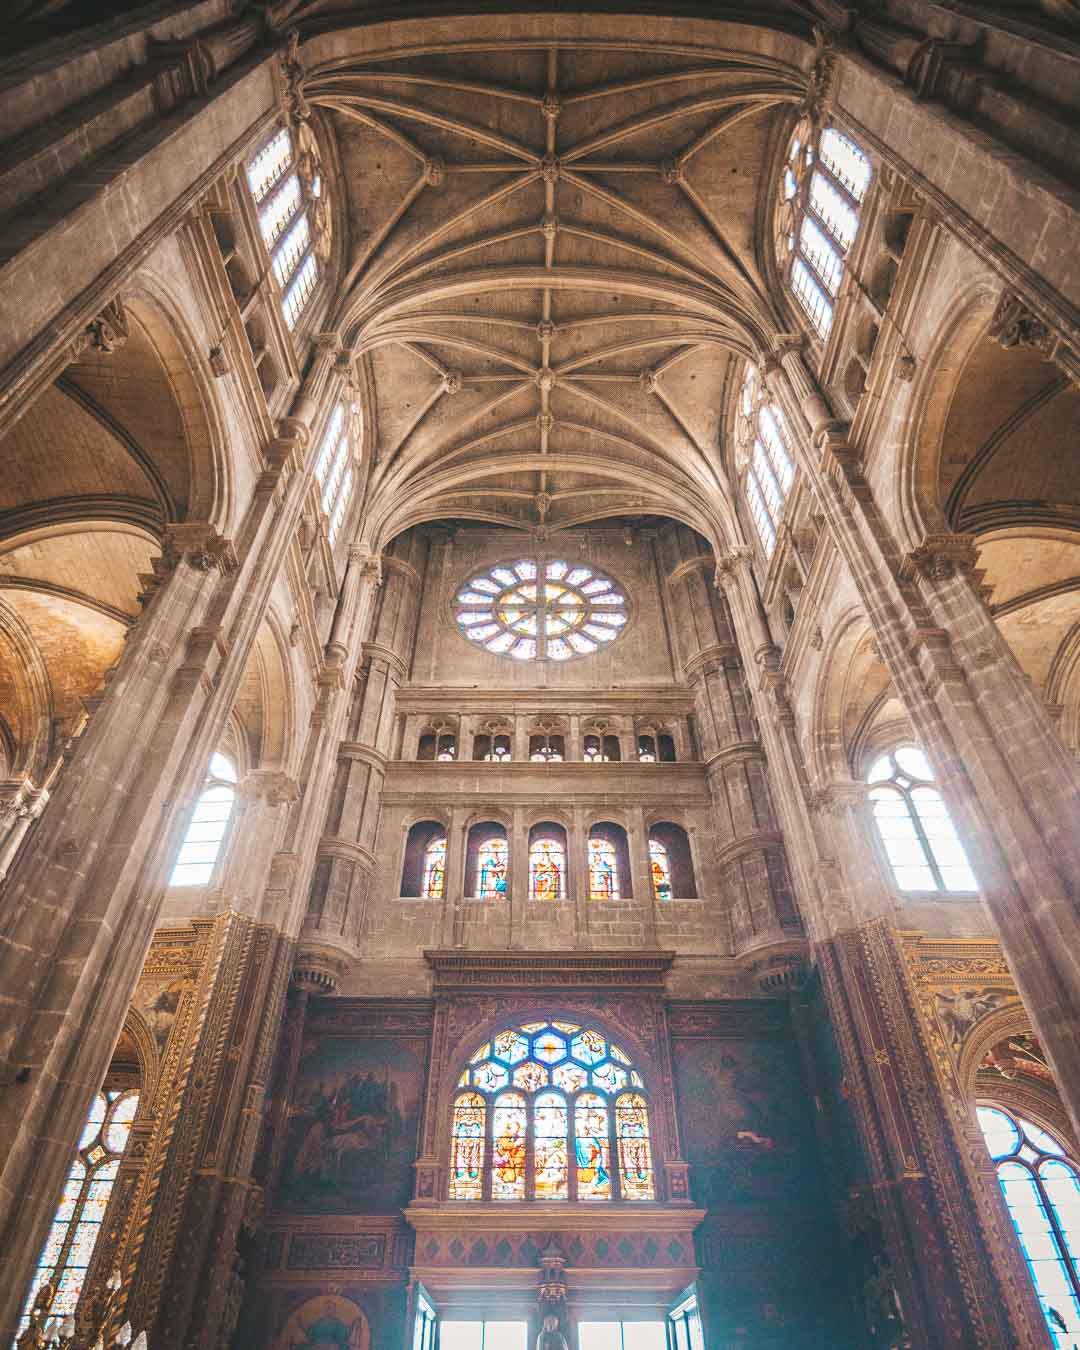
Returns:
(554, 266)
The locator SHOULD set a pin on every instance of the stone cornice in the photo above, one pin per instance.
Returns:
(377, 652)
(588, 703)
(333, 846)
(552, 970)
(739, 753)
(462, 1216)
(750, 843)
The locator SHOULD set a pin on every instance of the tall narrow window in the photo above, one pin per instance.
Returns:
(287, 188)
(492, 862)
(74, 1233)
(562, 1101)
(508, 1128)
(1041, 1185)
(660, 869)
(333, 471)
(603, 870)
(913, 824)
(821, 193)
(467, 1152)
(435, 869)
(547, 869)
(202, 842)
(764, 456)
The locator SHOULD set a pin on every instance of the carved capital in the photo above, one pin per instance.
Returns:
(729, 564)
(105, 333)
(1015, 325)
(272, 786)
(200, 545)
(941, 556)
(290, 63)
(367, 563)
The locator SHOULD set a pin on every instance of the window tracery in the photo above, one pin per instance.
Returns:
(532, 1093)
(914, 827)
(286, 184)
(198, 854)
(1041, 1186)
(763, 456)
(334, 472)
(541, 610)
(822, 189)
(70, 1245)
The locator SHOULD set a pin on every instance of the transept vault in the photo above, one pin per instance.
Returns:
(539, 677)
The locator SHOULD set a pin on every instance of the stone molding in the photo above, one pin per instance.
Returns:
(551, 970)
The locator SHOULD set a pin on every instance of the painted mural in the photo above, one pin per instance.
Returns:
(328, 1323)
(353, 1125)
(745, 1126)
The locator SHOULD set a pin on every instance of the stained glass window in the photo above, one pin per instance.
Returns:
(603, 870)
(491, 862)
(1041, 1185)
(763, 454)
(817, 216)
(660, 870)
(508, 1147)
(202, 843)
(913, 823)
(533, 1082)
(287, 190)
(467, 1153)
(534, 610)
(333, 470)
(435, 869)
(85, 1198)
(547, 870)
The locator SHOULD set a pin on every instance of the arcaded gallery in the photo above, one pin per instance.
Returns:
(540, 675)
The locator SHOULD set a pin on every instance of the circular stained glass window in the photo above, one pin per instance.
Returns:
(532, 609)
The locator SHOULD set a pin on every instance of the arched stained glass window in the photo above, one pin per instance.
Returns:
(535, 610)
(77, 1223)
(467, 1148)
(635, 1153)
(817, 218)
(547, 870)
(532, 1093)
(508, 1130)
(1041, 1185)
(202, 843)
(603, 870)
(286, 186)
(660, 869)
(435, 869)
(492, 861)
(913, 824)
(763, 455)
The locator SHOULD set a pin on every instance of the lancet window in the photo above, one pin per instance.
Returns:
(603, 870)
(286, 186)
(914, 827)
(822, 190)
(1041, 1185)
(205, 834)
(333, 470)
(763, 453)
(550, 1110)
(435, 869)
(547, 863)
(74, 1233)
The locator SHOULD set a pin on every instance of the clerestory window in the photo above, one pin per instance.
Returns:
(764, 458)
(334, 472)
(913, 823)
(824, 184)
(206, 833)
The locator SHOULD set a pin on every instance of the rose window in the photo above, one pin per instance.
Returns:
(537, 610)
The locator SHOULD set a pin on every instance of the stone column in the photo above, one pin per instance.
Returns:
(1005, 773)
(753, 869)
(346, 857)
(574, 748)
(627, 740)
(454, 881)
(465, 738)
(520, 750)
(637, 843)
(20, 805)
(518, 890)
(577, 844)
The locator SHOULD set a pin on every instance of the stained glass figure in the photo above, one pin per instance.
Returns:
(603, 870)
(492, 860)
(913, 823)
(531, 1108)
(467, 1156)
(435, 869)
(550, 1169)
(635, 1154)
(508, 1129)
(547, 870)
(553, 614)
(85, 1199)
(822, 188)
(660, 870)
(1041, 1186)
(592, 1148)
